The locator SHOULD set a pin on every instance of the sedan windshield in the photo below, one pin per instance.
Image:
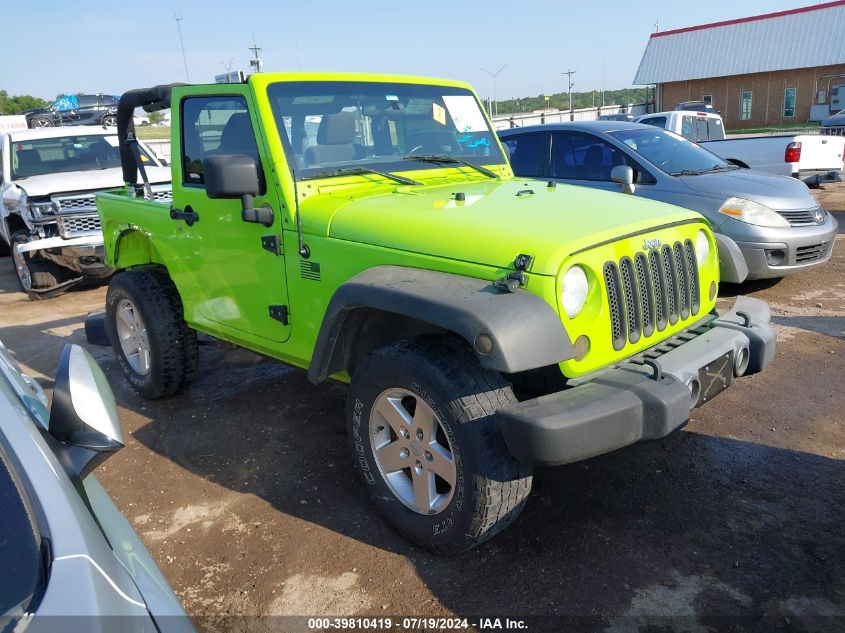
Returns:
(673, 154)
(77, 152)
(328, 126)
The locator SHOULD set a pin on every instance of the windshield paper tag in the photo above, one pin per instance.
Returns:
(438, 113)
(465, 113)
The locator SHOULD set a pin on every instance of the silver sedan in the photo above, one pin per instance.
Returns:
(774, 221)
(70, 560)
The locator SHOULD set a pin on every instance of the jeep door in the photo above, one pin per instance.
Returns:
(231, 273)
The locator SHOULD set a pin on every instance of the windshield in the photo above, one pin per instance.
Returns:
(83, 152)
(671, 153)
(335, 125)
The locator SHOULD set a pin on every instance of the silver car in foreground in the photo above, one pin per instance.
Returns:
(70, 561)
(773, 220)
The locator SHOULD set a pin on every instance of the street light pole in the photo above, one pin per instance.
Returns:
(489, 103)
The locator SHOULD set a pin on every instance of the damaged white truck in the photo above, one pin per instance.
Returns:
(48, 219)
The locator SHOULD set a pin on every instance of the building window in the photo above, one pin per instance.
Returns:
(745, 106)
(708, 99)
(789, 102)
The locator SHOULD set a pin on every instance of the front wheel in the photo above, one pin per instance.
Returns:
(34, 273)
(426, 443)
(40, 121)
(109, 120)
(154, 347)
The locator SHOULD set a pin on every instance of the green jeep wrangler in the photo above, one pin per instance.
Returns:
(369, 229)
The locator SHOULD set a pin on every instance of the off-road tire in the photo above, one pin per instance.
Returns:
(42, 272)
(173, 345)
(492, 487)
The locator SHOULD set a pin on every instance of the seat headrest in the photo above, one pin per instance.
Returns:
(28, 157)
(237, 136)
(337, 129)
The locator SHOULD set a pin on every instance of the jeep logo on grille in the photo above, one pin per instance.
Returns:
(652, 243)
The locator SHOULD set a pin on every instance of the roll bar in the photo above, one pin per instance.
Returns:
(151, 100)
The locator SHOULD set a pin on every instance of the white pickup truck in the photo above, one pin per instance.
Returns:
(48, 219)
(813, 158)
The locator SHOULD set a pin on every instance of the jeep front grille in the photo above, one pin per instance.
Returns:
(647, 293)
(78, 225)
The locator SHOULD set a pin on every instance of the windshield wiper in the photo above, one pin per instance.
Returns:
(688, 172)
(443, 158)
(358, 171)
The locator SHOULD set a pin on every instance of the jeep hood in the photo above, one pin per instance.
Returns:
(495, 222)
(91, 180)
(776, 192)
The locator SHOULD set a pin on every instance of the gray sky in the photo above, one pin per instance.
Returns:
(89, 47)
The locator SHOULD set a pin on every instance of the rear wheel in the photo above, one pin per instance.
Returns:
(425, 441)
(154, 347)
(34, 273)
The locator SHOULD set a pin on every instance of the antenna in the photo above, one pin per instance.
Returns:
(255, 62)
(178, 18)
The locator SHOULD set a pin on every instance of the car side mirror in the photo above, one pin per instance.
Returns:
(232, 176)
(624, 175)
(83, 416)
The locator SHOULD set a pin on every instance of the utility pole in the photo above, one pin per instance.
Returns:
(494, 75)
(255, 62)
(178, 17)
(569, 85)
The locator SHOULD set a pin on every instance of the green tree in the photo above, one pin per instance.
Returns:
(18, 103)
(560, 100)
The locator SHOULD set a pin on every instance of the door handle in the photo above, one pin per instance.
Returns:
(188, 215)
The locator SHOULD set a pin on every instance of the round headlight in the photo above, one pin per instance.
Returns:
(702, 247)
(574, 291)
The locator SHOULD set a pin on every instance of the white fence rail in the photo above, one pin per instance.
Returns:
(505, 121)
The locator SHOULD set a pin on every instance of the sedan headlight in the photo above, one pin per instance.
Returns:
(702, 247)
(752, 212)
(574, 291)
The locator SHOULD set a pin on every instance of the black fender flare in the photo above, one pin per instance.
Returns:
(525, 331)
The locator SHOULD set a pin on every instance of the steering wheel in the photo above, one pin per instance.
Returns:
(416, 149)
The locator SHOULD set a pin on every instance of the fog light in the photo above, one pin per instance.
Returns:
(712, 290)
(741, 363)
(483, 344)
(694, 392)
(582, 346)
(775, 257)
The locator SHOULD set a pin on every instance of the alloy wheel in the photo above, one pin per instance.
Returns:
(132, 332)
(412, 451)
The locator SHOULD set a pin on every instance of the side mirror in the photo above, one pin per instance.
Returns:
(624, 175)
(232, 176)
(83, 417)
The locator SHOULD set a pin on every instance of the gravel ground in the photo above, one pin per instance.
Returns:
(242, 489)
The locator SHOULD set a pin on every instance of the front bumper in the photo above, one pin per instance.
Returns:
(783, 251)
(647, 397)
(84, 255)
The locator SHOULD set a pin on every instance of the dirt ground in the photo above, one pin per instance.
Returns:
(243, 491)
